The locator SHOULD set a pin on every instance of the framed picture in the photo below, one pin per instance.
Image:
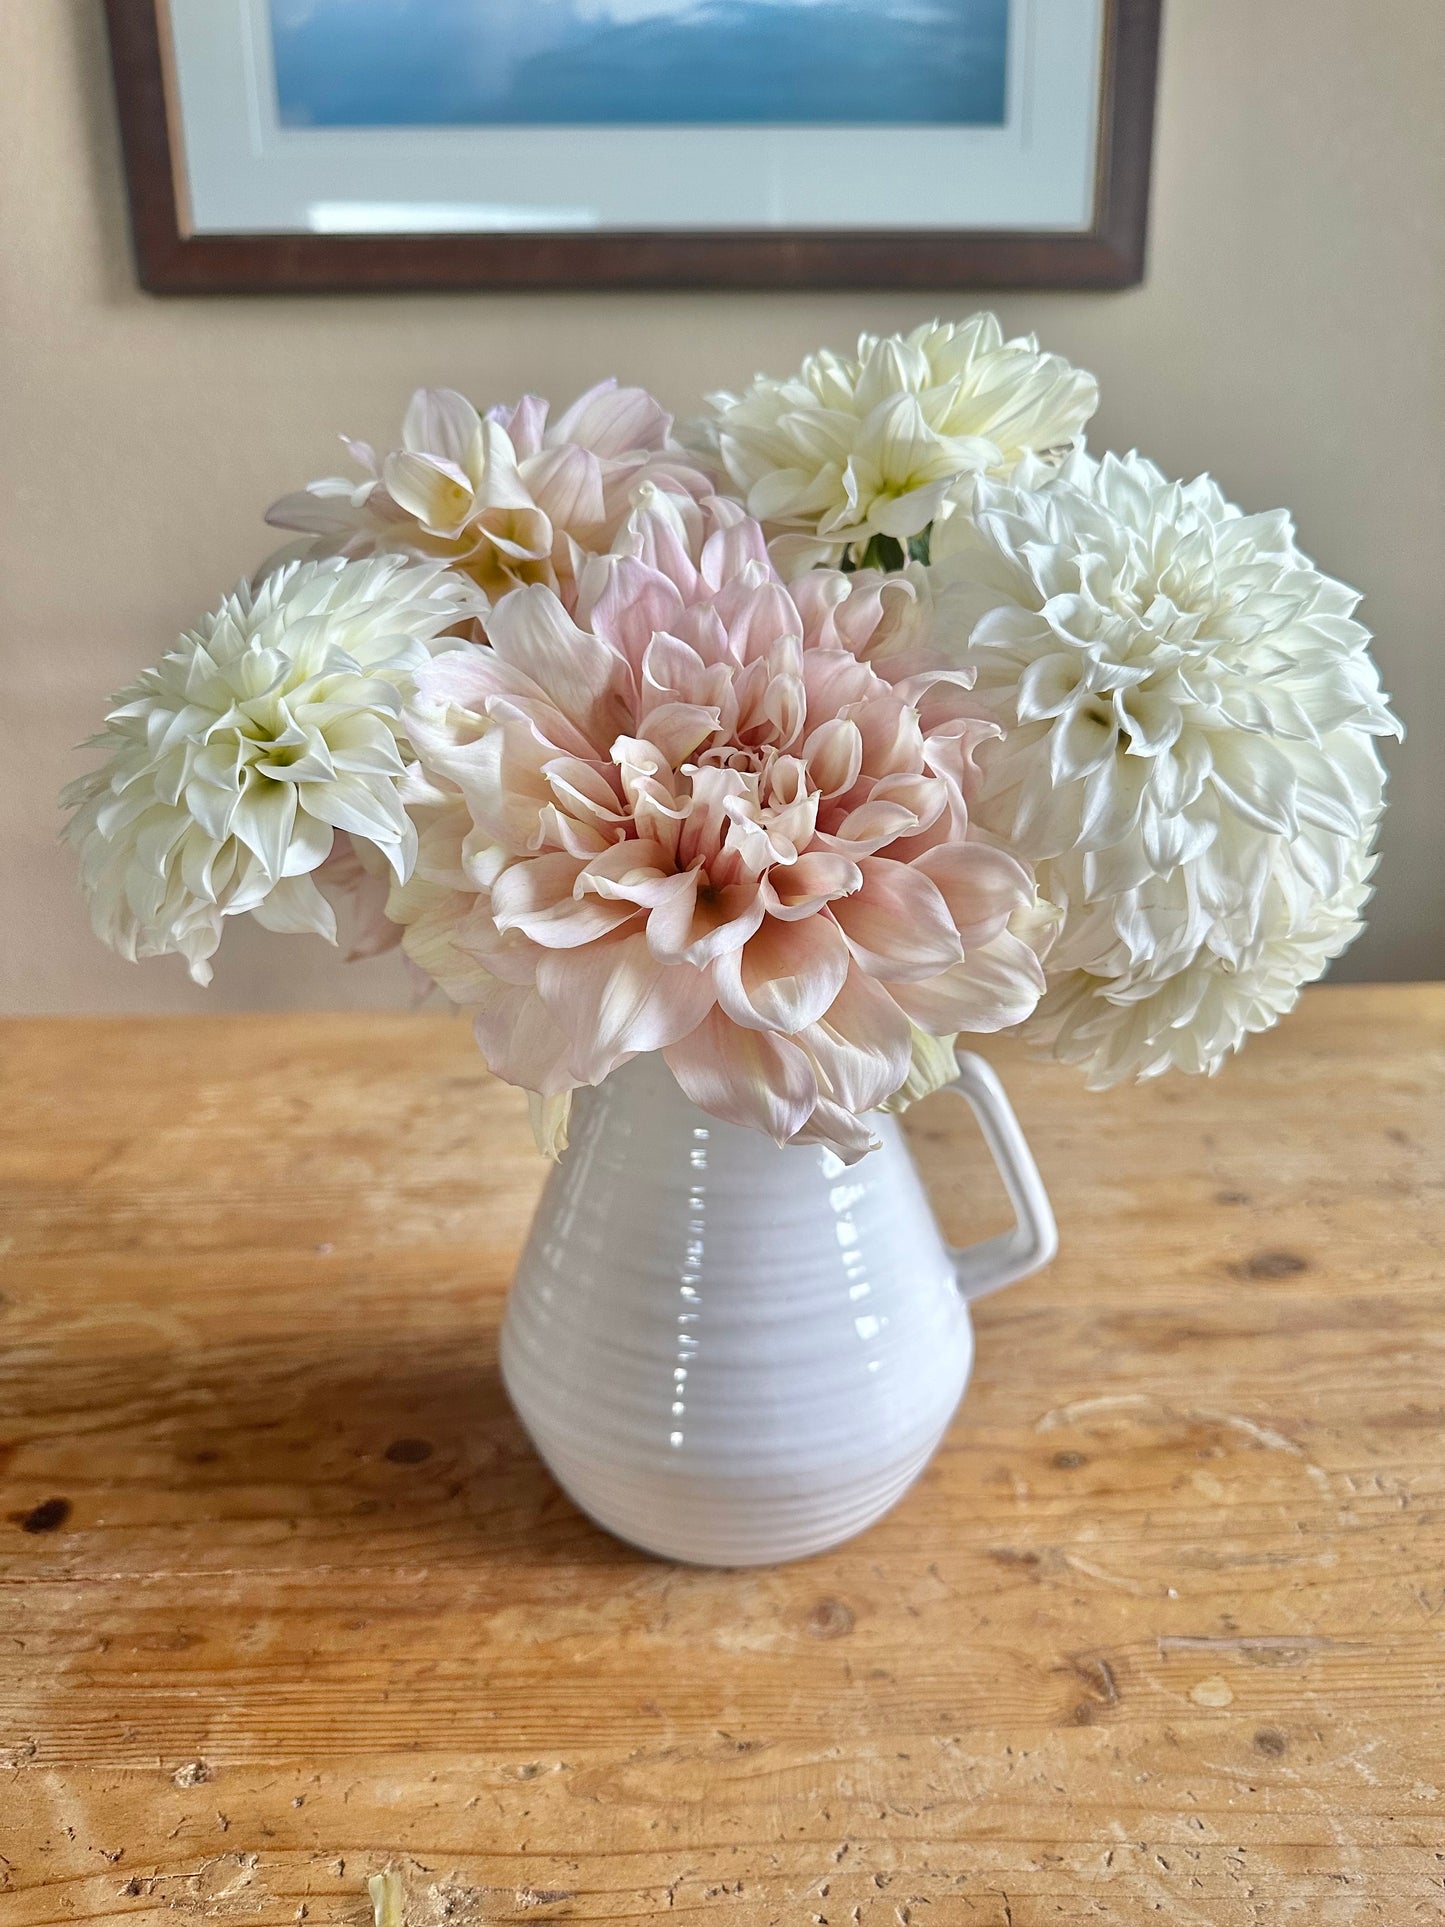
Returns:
(350, 144)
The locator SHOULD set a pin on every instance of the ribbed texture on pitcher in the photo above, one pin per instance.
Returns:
(727, 1352)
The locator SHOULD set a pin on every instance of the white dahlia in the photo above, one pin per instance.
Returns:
(853, 458)
(1192, 1011)
(233, 763)
(1188, 711)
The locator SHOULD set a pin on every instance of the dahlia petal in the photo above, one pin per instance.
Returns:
(662, 528)
(614, 1000)
(869, 828)
(903, 515)
(519, 1038)
(367, 809)
(631, 872)
(439, 421)
(613, 421)
(499, 486)
(1258, 781)
(996, 986)
(263, 820)
(517, 532)
(785, 976)
(585, 788)
(437, 493)
(532, 632)
(727, 555)
(897, 925)
(834, 755)
(566, 484)
(296, 907)
(679, 730)
(537, 897)
(526, 423)
(748, 1077)
(981, 886)
(695, 926)
(861, 1046)
(330, 516)
(848, 1137)
(550, 1119)
(311, 843)
(794, 890)
(634, 603)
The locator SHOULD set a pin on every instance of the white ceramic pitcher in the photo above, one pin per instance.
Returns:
(733, 1354)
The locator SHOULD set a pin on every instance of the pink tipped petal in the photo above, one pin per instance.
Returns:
(538, 899)
(994, 988)
(632, 872)
(520, 1040)
(586, 789)
(525, 424)
(892, 739)
(698, 923)
(870, 827)
(679, 730)
(747, 1077)
(662, 533)
(633, 604)
(849, 1137)
(785, 976)
(926, 797)
(729, 552)
(614, 421)
(532, 632)
(559, 831)
(566, 484)
(800, 889)
(464, 676)
(615, 1000)
(862, 1045)
(951, 751)
(981, 886)
(897, 925)
(834, 755)
(835, 681)
(708, 819)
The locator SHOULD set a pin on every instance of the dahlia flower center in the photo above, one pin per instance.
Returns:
(753, 761)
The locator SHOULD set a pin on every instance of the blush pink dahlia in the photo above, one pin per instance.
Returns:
(689, 817)
(505, 498)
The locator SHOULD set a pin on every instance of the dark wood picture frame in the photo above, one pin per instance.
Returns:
(1109, 254)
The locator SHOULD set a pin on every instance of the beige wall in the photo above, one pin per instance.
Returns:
(1290, 337)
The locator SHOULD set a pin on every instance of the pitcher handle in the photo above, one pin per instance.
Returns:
(1034, 1239)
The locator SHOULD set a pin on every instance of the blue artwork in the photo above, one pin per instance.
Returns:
(438, 63)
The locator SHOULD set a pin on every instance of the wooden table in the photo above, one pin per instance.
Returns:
(286, 1599)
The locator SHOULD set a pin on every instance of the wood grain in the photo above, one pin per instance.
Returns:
(286, 1599)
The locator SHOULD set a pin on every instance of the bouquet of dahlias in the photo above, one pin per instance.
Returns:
(870, 711)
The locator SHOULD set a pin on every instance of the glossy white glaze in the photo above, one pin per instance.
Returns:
(735, 1354)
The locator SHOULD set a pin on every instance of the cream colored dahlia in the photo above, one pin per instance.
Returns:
(692, 820)
(1188, 712)
(233, 764)
(1188, 1012)
(503, 497)
(852, 458)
